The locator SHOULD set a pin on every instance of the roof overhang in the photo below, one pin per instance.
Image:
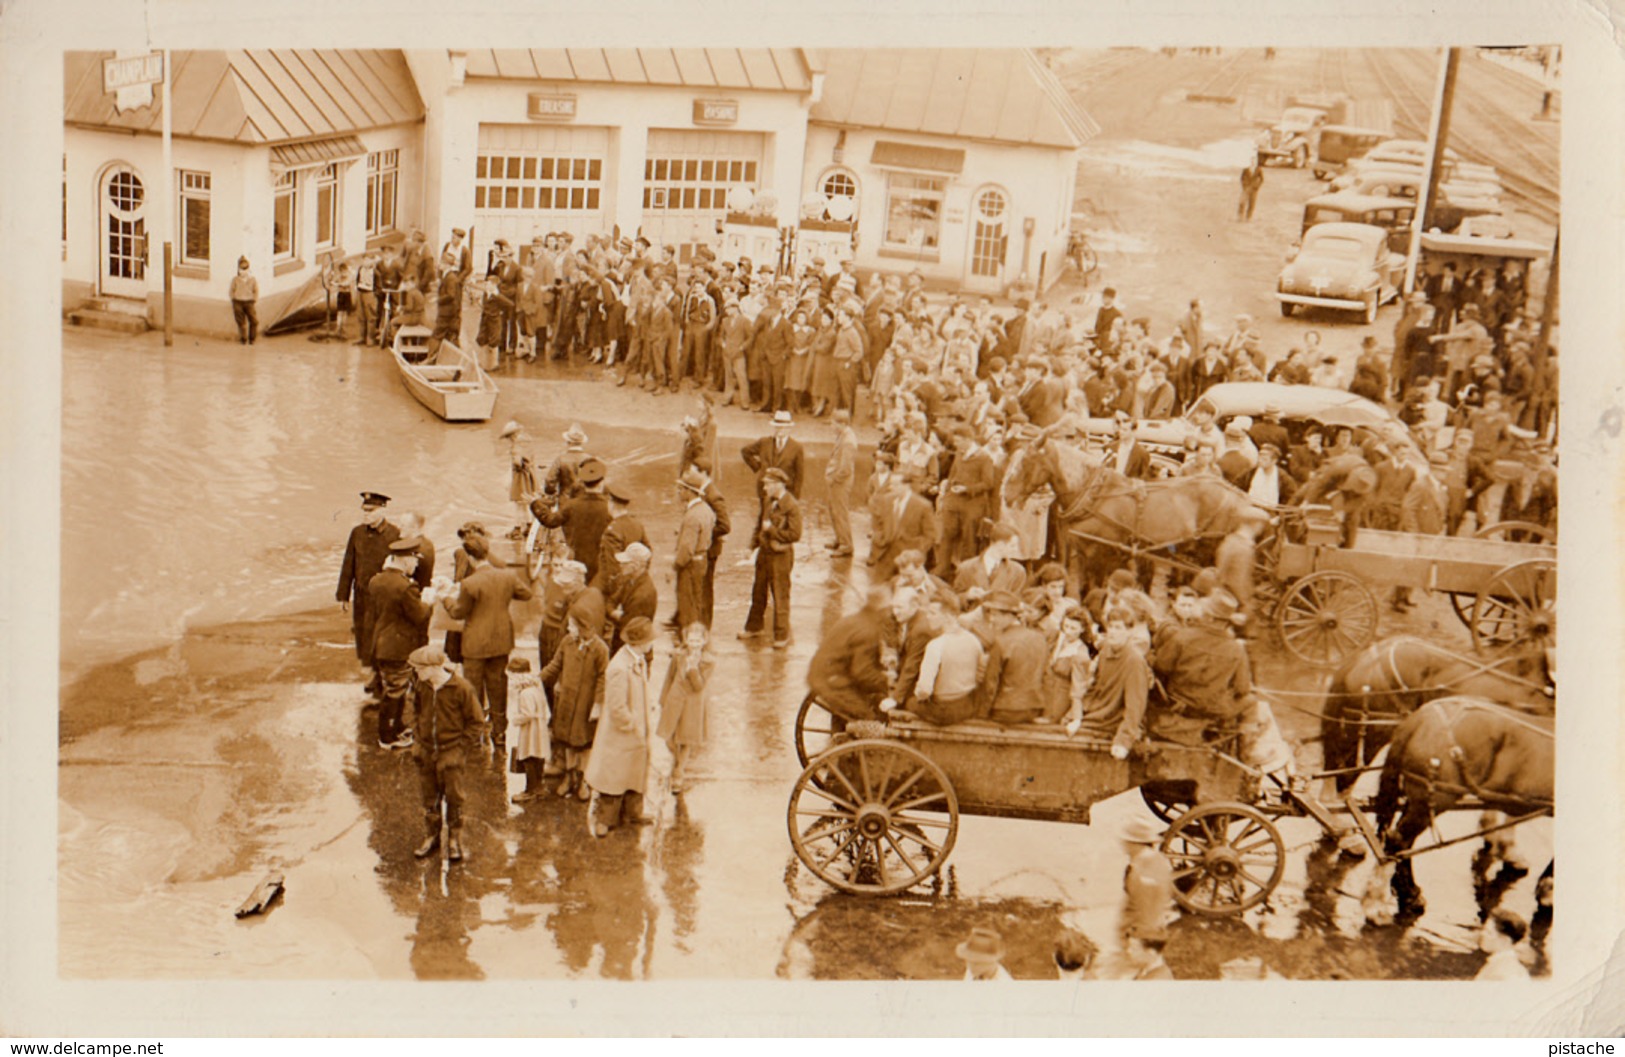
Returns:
(316, 153)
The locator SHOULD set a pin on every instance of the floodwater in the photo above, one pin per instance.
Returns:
(212, 728)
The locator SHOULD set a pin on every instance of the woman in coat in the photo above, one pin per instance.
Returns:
(824, 389)
(685, 700)
(798, 372)
(618, 770)
(578, 671)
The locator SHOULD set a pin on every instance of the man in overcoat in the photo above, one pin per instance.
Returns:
(400, 625)
(482, 602)
(776, 535)
(364, 554)
(618, 768)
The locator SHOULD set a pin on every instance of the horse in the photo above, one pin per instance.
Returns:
(1095, 504)
(1448, 750)
(1393, 677)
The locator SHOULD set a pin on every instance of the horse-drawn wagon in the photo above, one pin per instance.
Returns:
(1318, 594)
(876, 808)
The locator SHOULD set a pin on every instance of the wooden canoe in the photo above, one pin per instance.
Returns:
(450, 382)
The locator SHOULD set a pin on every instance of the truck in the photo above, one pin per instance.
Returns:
(1294, 137)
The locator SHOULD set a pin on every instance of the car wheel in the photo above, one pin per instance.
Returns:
(1300, 157)
(1286, 309)
(1371, 307)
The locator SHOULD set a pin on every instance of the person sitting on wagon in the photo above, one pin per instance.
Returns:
(847, 673)
(1113, 703)
(1208, 689)
(1012, 685)
(1344, 481)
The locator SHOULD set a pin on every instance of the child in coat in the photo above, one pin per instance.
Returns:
(685, 700)
(578, 668)
(532, 741)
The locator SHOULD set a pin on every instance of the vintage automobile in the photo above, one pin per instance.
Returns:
(1393, 215)
(1342, 265)
(1291, 139)
(1300, 407)
(1338, 145)
(1456, 202)
(1405, 154)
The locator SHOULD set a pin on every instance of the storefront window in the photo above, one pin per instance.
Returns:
(285, 217)
(194, 216)
(327, 208)
(383, 168)
(914, 213)
(537, 182)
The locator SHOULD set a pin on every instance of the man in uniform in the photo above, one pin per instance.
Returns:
(449, 728)
(364, 555)
(779, 451)
(692, 559)
(624, 529)
(583, 518)
(776, 535)
(400, 625)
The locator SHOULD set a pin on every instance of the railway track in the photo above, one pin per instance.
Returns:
(1529, 175)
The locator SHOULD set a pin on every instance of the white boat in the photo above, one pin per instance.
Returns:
(450, 382)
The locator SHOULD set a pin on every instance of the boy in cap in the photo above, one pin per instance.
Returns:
(364, 554)
(1148, 884)
(449, 726)
(1012, 690)
(776, 536)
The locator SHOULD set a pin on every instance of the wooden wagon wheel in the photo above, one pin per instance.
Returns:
(1266, 579)
(1169, 798)
(873, 817)
(1518, 604)
(1227, 858)
(816, 727)
(1511, 531)
(1325, 617)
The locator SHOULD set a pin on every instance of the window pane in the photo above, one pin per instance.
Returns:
(592, 197)
(750, 172)
(705, 198)
(648, 197)
(580, 169)
(479, 202)
(736, 172)
(578, 198)
(282, 226)
(547, 168)
(195, 245)
(513, 168)
(372, 204)
(324, 215)
(511, 201)
(479, 167)
(691, 169)
(530, 168)
(527, 198)
(688, 198)
(707, 169)
(648, 170)
(386, 206)
(544, 198)
(595, 169)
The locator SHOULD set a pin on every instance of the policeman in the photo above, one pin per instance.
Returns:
(364, 555)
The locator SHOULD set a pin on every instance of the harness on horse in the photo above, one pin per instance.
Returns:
(1093, 492)
(1450, 715)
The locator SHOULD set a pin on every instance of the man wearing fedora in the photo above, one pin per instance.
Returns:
(449, 727)
(563, 477)
(692, 559)
(618, 769)
(482, 603)
(364, 554)
(400, 626)
(583, 518)
(631, 593)
(776, 535)
(1148, 882)
(777, 452)
(983, 954)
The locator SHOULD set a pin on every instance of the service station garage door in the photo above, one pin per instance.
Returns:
(533, 179)
(686, 178)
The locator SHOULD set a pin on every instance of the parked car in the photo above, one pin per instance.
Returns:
(1341, 265)
(1291, 139)
(1393, 215)
(1300, 407)
(1456, 202)
(1337, 145)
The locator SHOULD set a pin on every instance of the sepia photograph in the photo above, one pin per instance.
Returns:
(876, 513)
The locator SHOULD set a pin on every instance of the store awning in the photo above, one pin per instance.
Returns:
(890, 155)
(316, 153)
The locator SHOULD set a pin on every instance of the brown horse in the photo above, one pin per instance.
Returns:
(1449, 750)
(1095, 504)
(1393, 677)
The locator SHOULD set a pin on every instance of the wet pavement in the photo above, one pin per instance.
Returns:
(213, 731)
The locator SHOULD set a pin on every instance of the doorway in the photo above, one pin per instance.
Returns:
(123, 233)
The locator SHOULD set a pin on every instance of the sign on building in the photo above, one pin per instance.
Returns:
(129, 78)
(716, 111)
(548, 107)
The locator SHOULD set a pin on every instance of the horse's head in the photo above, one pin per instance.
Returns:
(1034, 468)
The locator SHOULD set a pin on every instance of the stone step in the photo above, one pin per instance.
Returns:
(107, 319)
(123, 305)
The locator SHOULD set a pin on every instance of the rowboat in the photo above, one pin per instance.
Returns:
(449, 381)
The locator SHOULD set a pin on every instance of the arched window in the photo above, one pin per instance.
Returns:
(988, 234)
(840, 189)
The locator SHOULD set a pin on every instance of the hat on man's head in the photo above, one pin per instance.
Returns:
(591, 472)
(1140, 830)
(471, 528)
(617, 494)
(372, 499)
(634, 552)
(983, 945)
(511, 427)
(639, 631)
(459, 232)
(1221, 604)
(427, 657)
(1000, 532)
(1002, 602)
(783, 418)
(575, 434)
(693, 479)
(406, 545)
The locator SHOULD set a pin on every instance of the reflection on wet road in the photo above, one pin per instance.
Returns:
(213, 731)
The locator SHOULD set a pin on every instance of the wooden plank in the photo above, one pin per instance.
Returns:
(760, 69)
(726, 67)
(660, 66)
(514, 63)
(694, 67)
(353, 111)
(294, 93)
(553, 64)
(589, 64)
(625, 67)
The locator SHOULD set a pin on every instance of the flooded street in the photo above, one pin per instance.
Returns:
(212, 728)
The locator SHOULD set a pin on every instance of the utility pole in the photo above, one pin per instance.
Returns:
(1447, 100)
(1438, 130)
(168, 214)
